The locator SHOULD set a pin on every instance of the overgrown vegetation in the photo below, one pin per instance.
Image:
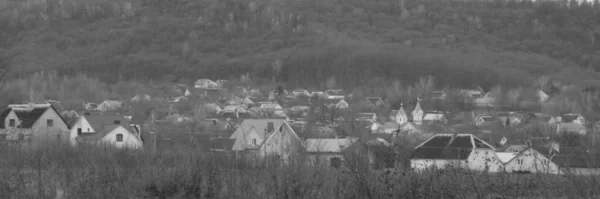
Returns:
(97, 172)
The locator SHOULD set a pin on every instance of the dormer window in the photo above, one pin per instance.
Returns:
(11, 122)
(254, 142)
(117, 121)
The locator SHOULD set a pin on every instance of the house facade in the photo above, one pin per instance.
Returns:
(267, 138)
(206, 84)
(111, 130)
(417, 113)
(33, 123)
(109, 105)
(327, 152)
(458, 151)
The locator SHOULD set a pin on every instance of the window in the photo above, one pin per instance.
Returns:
(335, 162)
(254, 142)
(117, 121)
(11, 122)
(544, 162)
(119, 137)
(58, 137)
(520, 162)
(49, 123)
(78, 131)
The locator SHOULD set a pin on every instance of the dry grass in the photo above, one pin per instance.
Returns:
(102, 172)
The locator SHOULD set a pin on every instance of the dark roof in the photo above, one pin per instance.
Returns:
(374, 100)
(574, 157)
(221, 144)
(3, 116)
(568, 118)
(138, 119)
(442, 146)
(28, 118)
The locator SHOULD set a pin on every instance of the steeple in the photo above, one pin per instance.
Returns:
(401, 117)
(417, 114)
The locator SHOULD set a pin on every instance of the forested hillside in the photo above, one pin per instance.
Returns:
(304, 42)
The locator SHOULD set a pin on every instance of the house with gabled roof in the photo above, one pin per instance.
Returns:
(33, 123)
(267, 138)
(301, 92)
(546, 156)
(337, 103)
(109, 105)
(455, 151)
(113, 130)
(569, 123)
(328, 151)
(367, 117)
(374, 102)
(437, 95)
(435, 116)
(206, 84)
(141, 97)
(334, 94)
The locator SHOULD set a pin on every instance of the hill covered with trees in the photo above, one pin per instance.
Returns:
(305, 42)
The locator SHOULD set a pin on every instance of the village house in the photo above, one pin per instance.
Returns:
(234, 111)
(334, 94)
(509, 119)
(206, 84)
(90, 106)
(544, 156)
(569, 123)
(376, 149)
(317, 93)
(435, 116)
(220, 144)
(221, 82)
(300, 92)
(328, 151)
(437, 95)
(271, 105)
(32, 123)
(263, 138)
(113, 130)
(487, 100)
(141, 97)
(484, 123)
(337, 103)
(459, 151)
(367, 117)
(109, 105)
(542, 96)
(374, 102)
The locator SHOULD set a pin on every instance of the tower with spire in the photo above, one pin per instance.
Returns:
(401, 117)
(417, 114)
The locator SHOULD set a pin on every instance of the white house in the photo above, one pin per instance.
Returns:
(206, 84)
(334, 94)
(301, 92)
(328, 151)
(337, 103)
(271, 105)
(542, 156)
(367, 117)
(109, 105)
(267, 138)
(462, 151)
(141, 97)
(105, 129)
(542, 96)
(34, 123)
(435, 117)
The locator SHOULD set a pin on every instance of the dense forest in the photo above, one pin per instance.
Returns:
(305, 42)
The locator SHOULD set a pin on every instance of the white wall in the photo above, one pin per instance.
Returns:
(485, 159)
(283, 143)
(59, 131)
(85, 128)
(244, 140)
(532, 162)
(423, 164)
(129, 139)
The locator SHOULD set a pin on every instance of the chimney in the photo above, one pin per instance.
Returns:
(270, 127)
